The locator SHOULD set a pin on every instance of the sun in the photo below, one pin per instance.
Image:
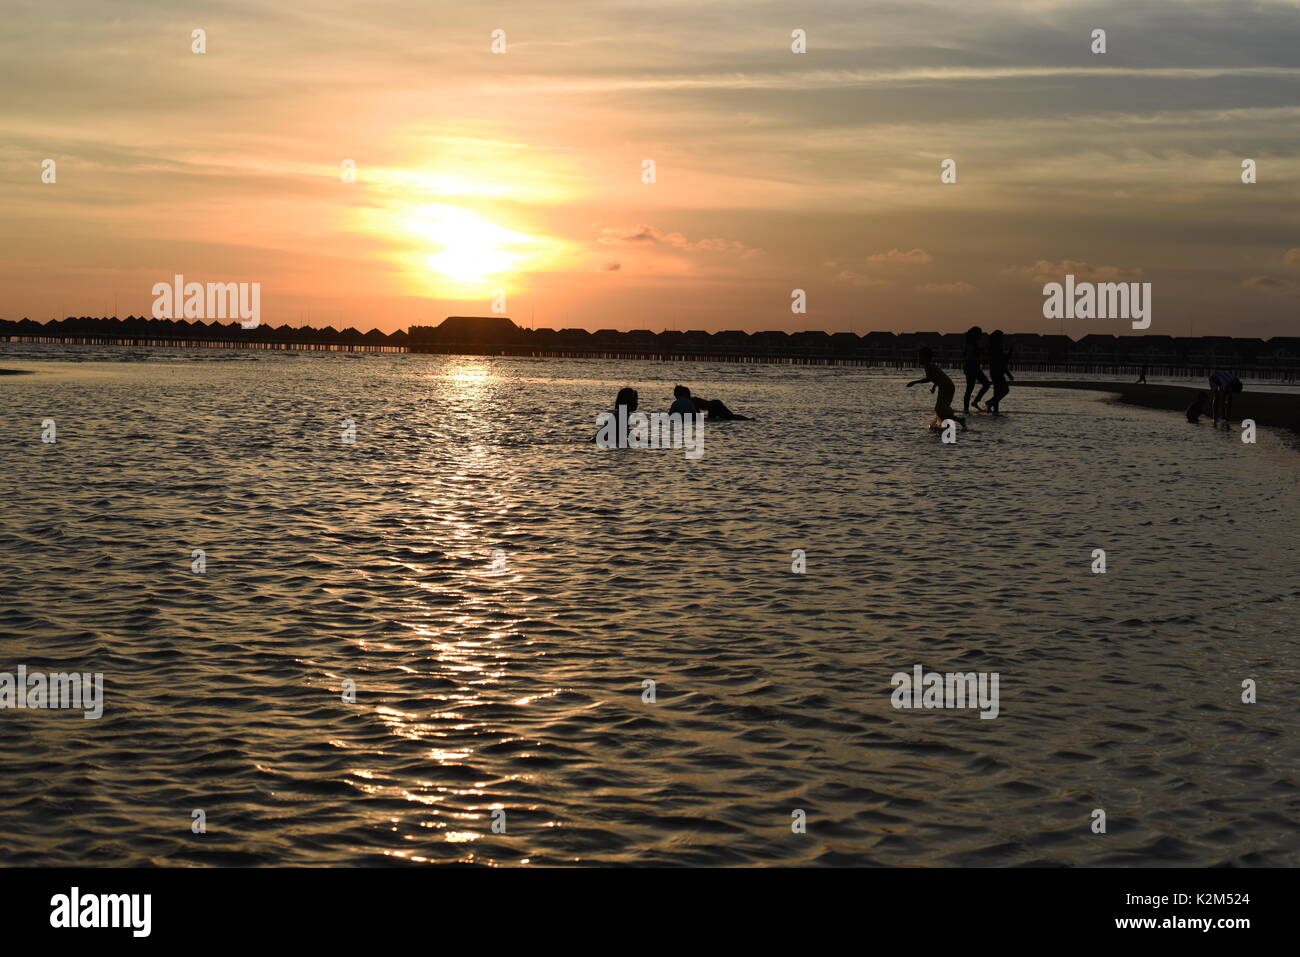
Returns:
(456, 252)
(470, 248)
(470, 226)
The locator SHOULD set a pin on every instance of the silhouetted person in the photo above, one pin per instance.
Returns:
(998, 370)
(1223, 386)
(682, 401)
(1142, 376)
(626, 399)
(1196, 409)
(971, 367)
(943, 401)
(714, 409)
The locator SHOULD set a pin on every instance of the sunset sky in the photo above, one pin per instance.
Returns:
(522, 171)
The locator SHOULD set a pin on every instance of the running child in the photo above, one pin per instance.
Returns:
(971, 367)
(946, 390)
(998, 370)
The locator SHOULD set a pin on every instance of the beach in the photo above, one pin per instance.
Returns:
(1275, 409)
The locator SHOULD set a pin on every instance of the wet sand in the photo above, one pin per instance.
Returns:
(1266, 408)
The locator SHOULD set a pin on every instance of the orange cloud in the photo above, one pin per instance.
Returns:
(1045, 271)
(853, 274)
(1268, 284)
(649, 236)
(946, 288)
(897, 256)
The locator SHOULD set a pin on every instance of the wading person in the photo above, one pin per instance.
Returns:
(998, 370)
(971, 367)
(1223, 386)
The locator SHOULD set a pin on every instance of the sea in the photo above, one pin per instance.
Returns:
(401, 610)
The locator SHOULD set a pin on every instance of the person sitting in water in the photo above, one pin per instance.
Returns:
(1196, 409)
(1223, 386)
(626, 399)
(943, 401)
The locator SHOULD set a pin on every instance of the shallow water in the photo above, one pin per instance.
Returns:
(520, 687)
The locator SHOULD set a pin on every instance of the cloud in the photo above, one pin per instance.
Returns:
(611, 267)
(647, 236)
(897, 256)
(1269, 283)
(946, 288)
(1045, 271)
(1291, 258)
(813, 80)
(726, 246)
(862, 274)
(618, 235)
(854, 274)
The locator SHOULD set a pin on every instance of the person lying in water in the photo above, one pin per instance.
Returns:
(714, 409)
(943, 401)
